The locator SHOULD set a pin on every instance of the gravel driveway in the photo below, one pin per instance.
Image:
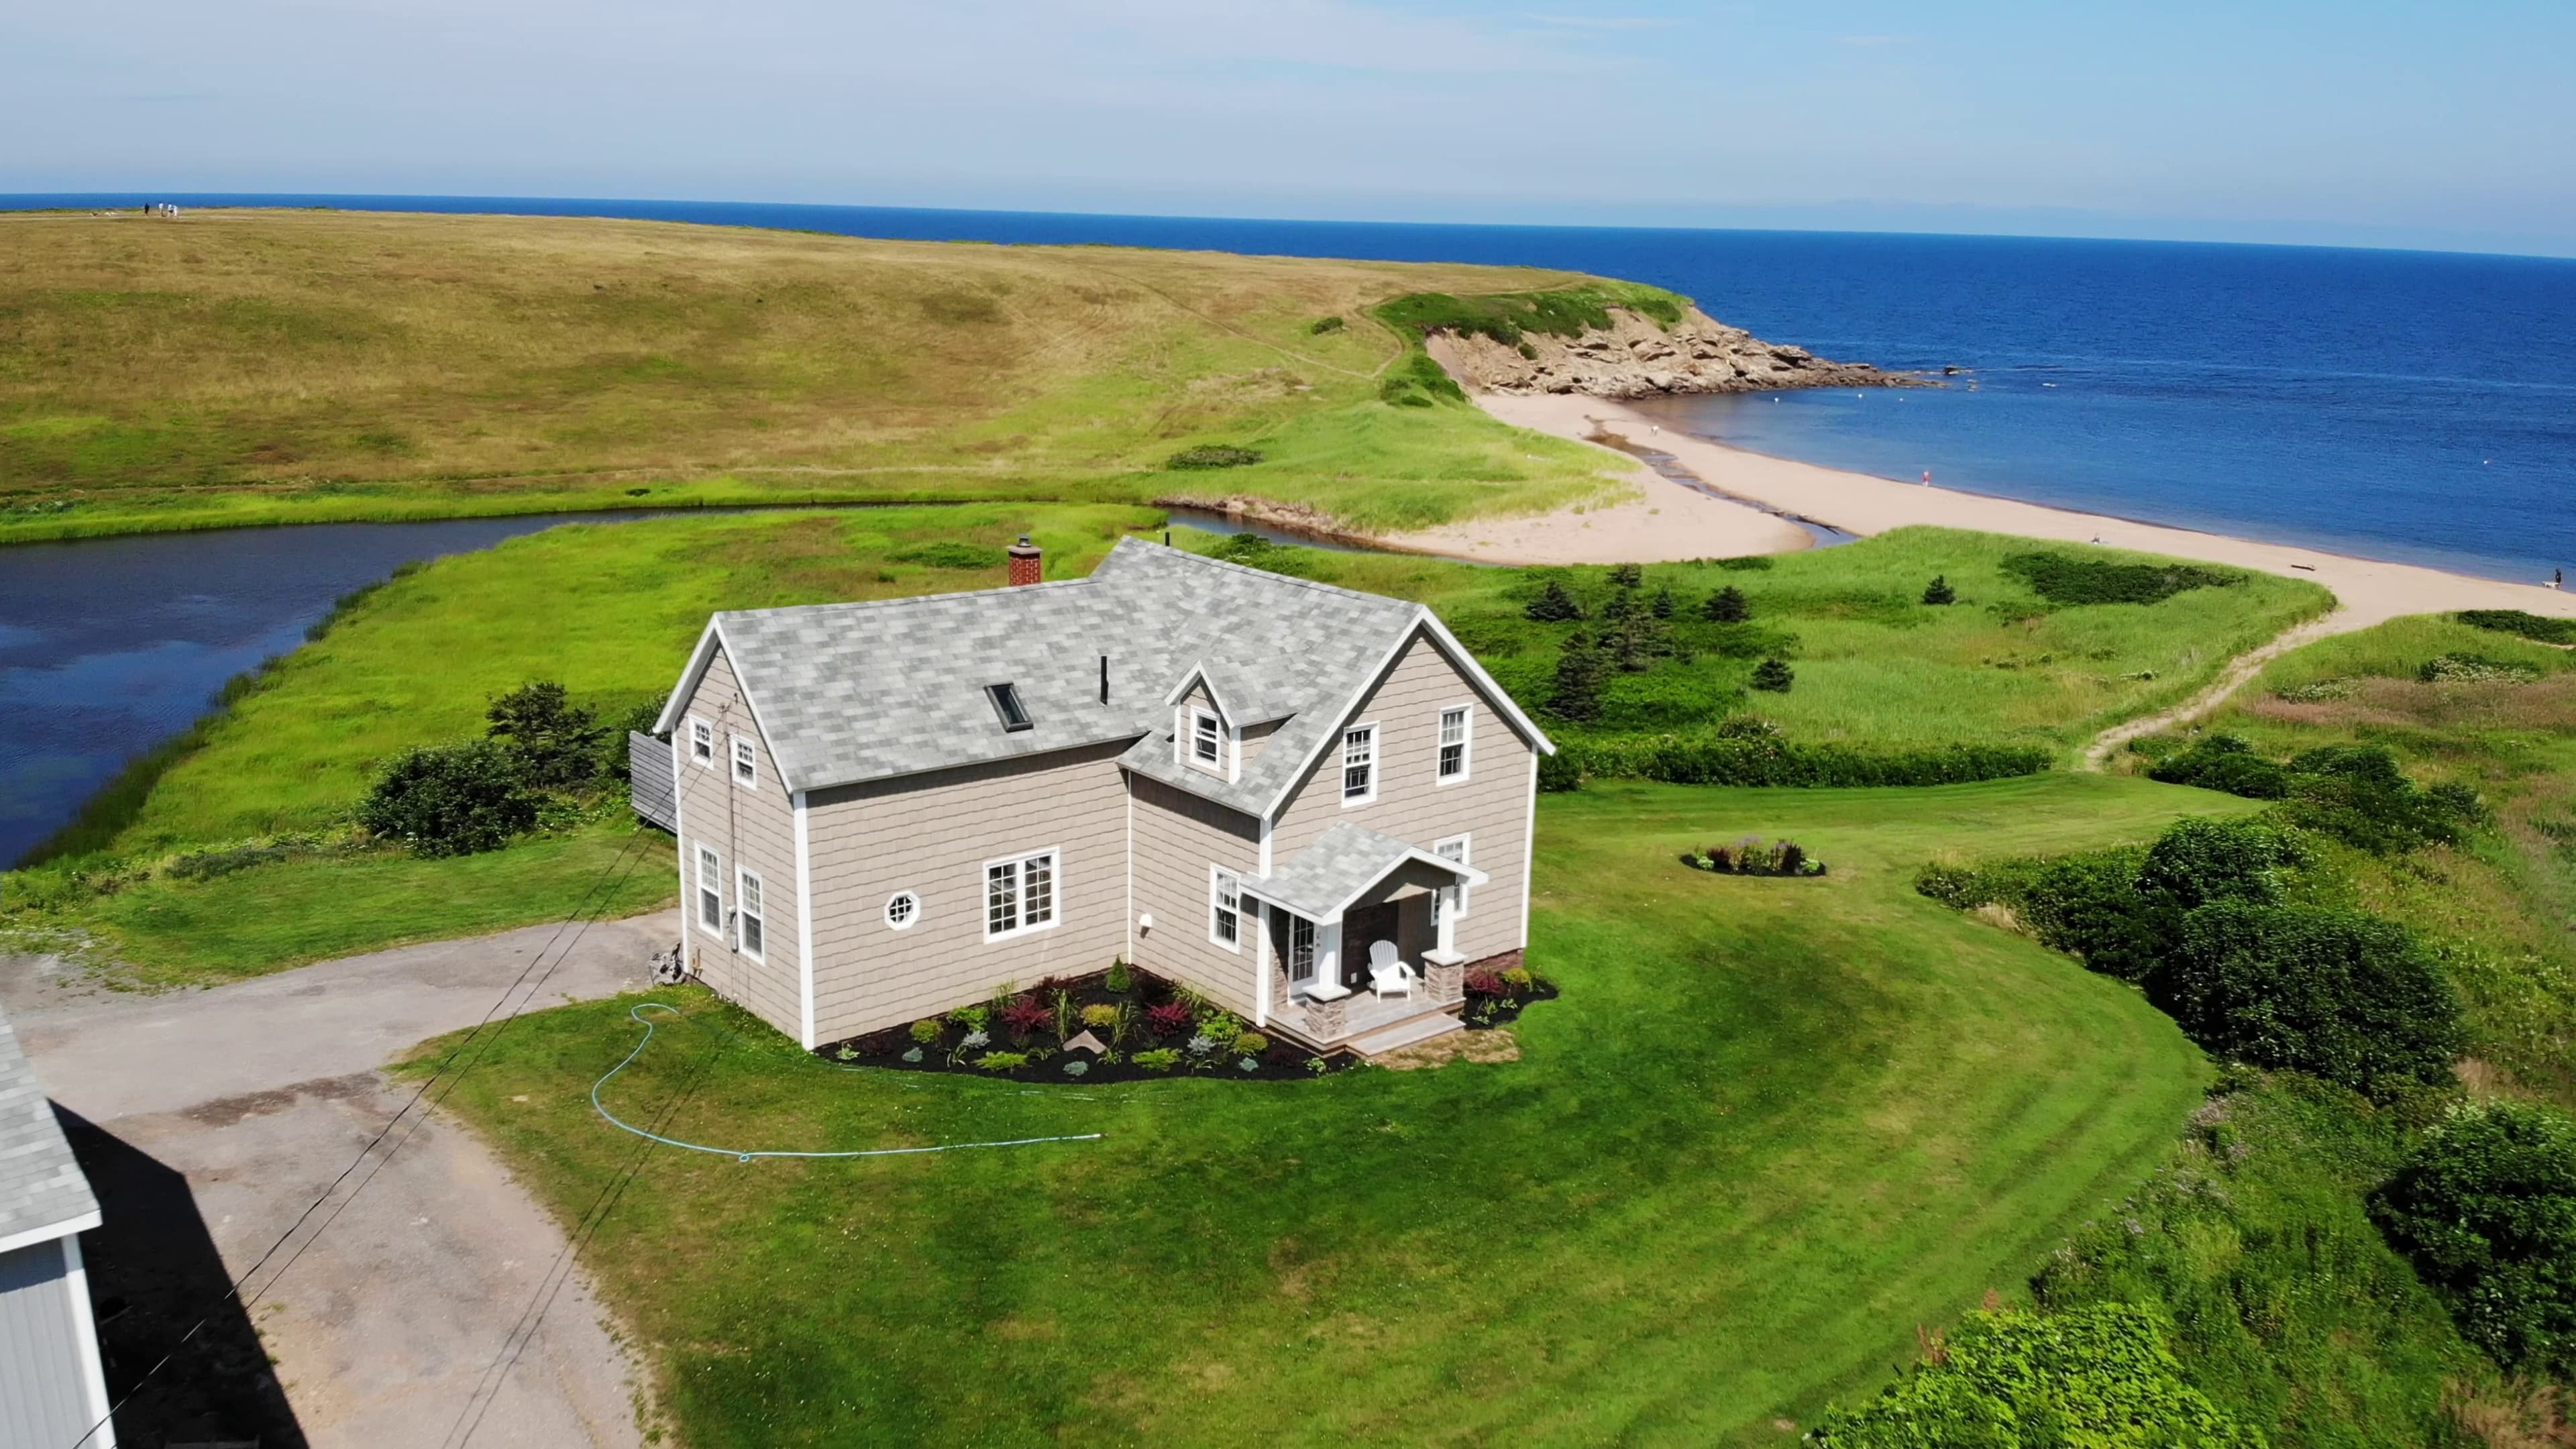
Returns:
(428, 1301)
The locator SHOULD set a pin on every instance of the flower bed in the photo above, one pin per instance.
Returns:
(1750, 856)
(1496, 998)
(1121, 1025)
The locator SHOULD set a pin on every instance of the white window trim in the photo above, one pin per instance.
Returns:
(733, 762)
(746, 883)
(909, 921)
(695, 725)
(1216, 907)
(1466, 745)
(697, 902)
(1377, 764)
(1457, 893)
(1018, 860)
(1216, 725)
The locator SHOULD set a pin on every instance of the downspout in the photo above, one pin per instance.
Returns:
(804, 918)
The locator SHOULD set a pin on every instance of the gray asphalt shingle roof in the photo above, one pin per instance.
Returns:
(1343, 861)
(41, 1186)
(854, 692)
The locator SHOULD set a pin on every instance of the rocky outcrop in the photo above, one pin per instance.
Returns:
(1637, 357)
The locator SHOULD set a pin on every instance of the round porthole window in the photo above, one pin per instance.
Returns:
(902, 909)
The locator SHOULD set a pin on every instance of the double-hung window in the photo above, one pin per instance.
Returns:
(1454, 726)
(710, 891)
(1453, 898)
(702, 743)
(1207, 740)
(1301, 950)
(1225, 908)
(755, 931)
(1019, 894)
(746, 763)
(1359, 764)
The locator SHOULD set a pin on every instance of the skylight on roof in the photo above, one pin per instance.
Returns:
(1006, 703)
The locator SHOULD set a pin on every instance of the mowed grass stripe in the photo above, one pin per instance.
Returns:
(1770, 1127)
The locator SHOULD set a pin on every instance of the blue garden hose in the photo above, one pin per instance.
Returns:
(737, 1154)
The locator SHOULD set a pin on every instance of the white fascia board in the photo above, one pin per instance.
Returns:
(50, 1231)
(690, 674)
(804, 915)
(751, 702)
(1198, 674)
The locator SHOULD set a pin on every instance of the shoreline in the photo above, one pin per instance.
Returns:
(2368, 591)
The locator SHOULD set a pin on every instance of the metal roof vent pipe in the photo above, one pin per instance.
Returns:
(1027, 564)
(1104, 679)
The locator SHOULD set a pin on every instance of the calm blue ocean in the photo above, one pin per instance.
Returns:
(2403, 405)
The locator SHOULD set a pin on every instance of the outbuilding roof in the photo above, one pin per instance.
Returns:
(43, 1194)
(846, 693)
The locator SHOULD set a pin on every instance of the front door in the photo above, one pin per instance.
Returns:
(1360, 928)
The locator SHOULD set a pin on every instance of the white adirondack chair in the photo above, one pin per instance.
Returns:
(1388, 975)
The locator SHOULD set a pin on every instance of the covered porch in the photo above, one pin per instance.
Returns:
(1358, 938)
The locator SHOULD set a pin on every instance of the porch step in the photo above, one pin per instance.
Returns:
(1405, 1033)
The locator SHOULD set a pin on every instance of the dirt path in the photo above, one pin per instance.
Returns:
(2239, 671)
(426, 1294)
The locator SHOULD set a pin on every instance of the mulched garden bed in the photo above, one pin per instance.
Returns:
(1497, 998)
(1750, 856)
(1121, 1025)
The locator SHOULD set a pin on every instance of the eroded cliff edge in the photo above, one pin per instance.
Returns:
(1635, 356)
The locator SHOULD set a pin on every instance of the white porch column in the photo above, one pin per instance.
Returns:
(1328, 950)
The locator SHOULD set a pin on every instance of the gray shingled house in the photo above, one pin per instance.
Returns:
(53, 1389)
(1308, 803)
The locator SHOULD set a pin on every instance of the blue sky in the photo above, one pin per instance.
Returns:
(2447, 126)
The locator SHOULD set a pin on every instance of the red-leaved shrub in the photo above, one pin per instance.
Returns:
(1485, 983)
(1025, 1016)
(1169, 1019)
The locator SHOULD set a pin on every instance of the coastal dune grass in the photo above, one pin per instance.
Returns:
(1770, 1126)
(237, 367)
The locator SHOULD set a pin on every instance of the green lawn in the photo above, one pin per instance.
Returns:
(1770, 1127)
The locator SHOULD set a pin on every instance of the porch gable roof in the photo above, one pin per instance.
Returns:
(1321, 881)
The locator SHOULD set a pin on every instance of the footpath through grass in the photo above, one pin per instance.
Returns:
(1770, 1127)
(239, 367)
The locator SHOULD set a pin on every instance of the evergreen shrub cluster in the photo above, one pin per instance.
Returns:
(478, 795)
(1210, 455)
(2067, 579)
(2522, 625)
(2486, 1206)
(2354, 793)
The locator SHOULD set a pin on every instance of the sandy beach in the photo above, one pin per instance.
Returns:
(1671, 521)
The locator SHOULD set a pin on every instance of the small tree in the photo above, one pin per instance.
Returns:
(1663, 605)
(1773, 675)
(556, 740)
(2338, 994)
(1728, 606)
(1627, 576)
(2486, 1206)
(1579, 670)
(451, 799)
(1939, 591)
(2198, 861)
(1554, 605)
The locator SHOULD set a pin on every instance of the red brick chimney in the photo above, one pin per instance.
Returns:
(1026, 565)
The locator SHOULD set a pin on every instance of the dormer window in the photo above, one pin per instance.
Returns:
(1207, 740)
(1006, 704)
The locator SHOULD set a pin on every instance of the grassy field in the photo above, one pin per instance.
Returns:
(610, 610)
(1770, 1127)
(272, 366)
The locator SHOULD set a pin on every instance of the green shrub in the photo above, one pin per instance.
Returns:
(1751, 563)
(1251, 1044)
(2338, 994)
(1505, 316)
(557, 741)
(1100, 1014)
(1002, 1061)
(1664, 603)
(1213, 455)
(1580, 668)
(1558, 773)
(1419, 382)
(2070, 580)
(1121, 976)
(2098, 1377)
(1326, 324)
(953, 553)
(1727, 606)
(2516, 622)
(1716, 760)
(2091, 907)
(1555, 604)
(2486, 1206)
(1627, 576)
(451, 799)
(1160, 1059)
(1939, 591)
(928, 1031)
(2197, 861)
(2465, 668)
(2227, 764)
(1773, 675)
